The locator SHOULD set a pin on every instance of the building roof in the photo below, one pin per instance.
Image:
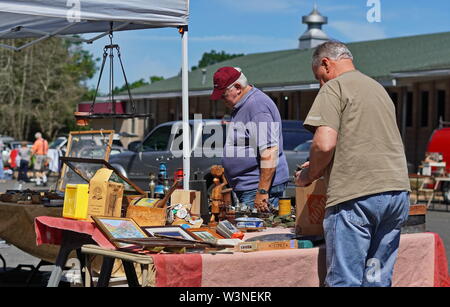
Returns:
(379, 59)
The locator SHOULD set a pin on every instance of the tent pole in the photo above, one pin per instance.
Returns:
(185, 109)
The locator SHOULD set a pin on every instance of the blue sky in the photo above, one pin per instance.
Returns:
(251, 26)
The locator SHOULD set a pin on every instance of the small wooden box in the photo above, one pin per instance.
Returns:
(146, 216)
(105, 197)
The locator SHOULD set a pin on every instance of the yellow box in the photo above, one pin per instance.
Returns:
(76, 201)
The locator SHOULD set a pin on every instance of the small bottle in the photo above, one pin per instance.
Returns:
(152, 185)
(166, 186)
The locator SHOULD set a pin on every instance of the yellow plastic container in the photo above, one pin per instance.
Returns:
(76, 201)
(284, 206)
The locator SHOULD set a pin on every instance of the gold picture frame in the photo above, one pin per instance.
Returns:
(204, 234)
(94, 144)
(115, 228)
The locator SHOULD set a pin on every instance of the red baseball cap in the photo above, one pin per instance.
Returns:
(223, 78)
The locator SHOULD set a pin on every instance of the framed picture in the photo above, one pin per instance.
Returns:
(204, 234)
(119, 228)
(85, 144)
(171, 231)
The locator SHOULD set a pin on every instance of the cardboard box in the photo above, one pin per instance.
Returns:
(310, 208)
(274, 245)
(105, 197)
(187, 197)
(254, 246)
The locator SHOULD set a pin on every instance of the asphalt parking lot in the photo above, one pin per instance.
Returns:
(437, 220)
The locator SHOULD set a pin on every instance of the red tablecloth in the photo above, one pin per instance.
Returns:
(49, 230)
(421, 261)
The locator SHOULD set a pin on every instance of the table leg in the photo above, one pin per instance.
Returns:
(130, 272)
(144, 270)
(4, 262)
(87, 271)
(70, 241)
(105, 273)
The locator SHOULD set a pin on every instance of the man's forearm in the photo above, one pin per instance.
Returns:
(319, 161)
(321, 154)
(269, 159)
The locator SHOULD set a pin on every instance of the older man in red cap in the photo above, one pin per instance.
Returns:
(254, 162)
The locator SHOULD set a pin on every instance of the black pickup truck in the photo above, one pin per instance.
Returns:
(162, 144)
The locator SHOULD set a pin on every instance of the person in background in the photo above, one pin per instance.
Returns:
(12, 161)
(39, 150)
(2, 172)
(25, 157)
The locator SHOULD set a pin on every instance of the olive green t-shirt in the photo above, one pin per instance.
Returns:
(369, 157)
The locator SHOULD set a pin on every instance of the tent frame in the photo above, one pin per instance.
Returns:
(46, 35)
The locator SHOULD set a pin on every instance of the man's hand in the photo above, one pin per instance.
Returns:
(302, 177)
(262, 202)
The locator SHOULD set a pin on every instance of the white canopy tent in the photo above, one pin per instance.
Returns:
(42, 19)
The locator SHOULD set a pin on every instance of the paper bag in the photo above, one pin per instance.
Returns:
(310, 208)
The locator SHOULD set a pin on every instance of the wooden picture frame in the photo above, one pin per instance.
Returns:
(94, 144)
(204, 234)
(170, 231)
(119, 228)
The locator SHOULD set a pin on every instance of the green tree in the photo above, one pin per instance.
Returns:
(213, 57)
(41, 86)
(139, 83)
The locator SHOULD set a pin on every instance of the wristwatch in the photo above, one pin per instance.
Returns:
(262, 191)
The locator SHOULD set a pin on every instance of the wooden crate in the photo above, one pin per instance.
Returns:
(146, 216)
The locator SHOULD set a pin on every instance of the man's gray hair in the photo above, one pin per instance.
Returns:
(333, 50)
(242, 80)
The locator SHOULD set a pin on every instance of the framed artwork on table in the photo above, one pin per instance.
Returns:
(170, 231)
(119, 228)
(204, 234)
(88, 145)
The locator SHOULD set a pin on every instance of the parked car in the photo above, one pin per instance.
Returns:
(294, 134)
(163, 144)
(304, 147)
(60, 145)
(440, 143)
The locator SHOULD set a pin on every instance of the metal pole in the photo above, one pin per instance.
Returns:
(185, 105)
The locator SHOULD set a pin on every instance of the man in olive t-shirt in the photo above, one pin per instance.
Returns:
(358, 149)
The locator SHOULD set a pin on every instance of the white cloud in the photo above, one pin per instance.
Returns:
(358, 31)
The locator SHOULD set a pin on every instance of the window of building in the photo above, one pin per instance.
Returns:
(424, 109)
(440, 106)
(394, 98)
(285, 113)
(133, 125)
(409, 109)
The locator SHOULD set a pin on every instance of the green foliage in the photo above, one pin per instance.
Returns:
(139, 83)
(213, 57)
(41, 86)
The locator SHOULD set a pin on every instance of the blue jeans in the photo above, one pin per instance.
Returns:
(275, 192)
(362, 238)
